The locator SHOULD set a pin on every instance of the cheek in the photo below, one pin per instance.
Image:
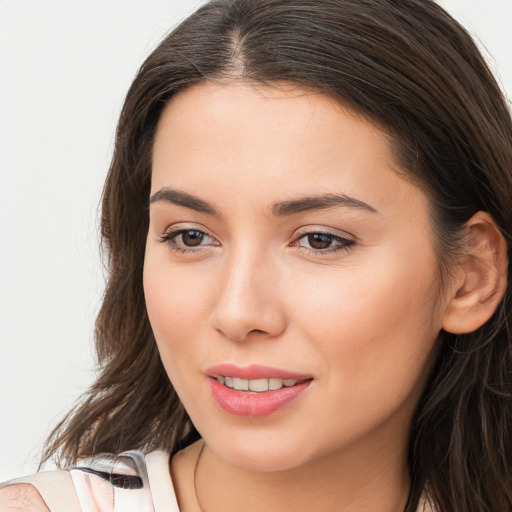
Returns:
(176, 312)
(177, 303)
(374, 328)
(372, 335)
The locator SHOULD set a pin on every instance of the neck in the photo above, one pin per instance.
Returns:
(344, 480)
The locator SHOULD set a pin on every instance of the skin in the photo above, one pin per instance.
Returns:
(361, 318)
(22, 498)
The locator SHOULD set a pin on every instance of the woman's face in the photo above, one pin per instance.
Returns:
(284, 251)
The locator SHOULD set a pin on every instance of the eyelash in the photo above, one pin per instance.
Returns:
(169, 238)
(344, 244)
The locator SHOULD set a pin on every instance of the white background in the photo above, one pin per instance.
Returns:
(64, 70)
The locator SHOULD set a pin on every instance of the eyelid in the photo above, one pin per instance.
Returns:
(311, 229)
(186, 226)
(345, 241)
(169, 235)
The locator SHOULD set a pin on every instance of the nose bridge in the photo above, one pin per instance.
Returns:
(248, 300)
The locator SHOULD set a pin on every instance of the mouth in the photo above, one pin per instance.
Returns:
(257, 385)
(255, 391)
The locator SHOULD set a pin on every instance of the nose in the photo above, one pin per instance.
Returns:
(249, 303)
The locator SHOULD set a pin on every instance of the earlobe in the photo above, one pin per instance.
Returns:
(480, 277)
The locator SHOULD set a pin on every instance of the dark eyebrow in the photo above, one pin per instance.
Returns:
(183, 199)
(279, 209)
(318, 203)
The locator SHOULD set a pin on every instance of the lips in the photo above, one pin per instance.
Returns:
(255, 391)
(254, 371)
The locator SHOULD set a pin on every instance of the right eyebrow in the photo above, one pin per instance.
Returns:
(319, 202)
(180, 198)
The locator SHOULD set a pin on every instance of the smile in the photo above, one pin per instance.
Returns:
(256, 385)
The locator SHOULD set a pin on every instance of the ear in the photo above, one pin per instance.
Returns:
(480, 277)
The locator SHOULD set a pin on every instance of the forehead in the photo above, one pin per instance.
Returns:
(245, 111)
(272, 143)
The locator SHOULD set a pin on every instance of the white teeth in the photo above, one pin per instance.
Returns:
(241, 384)
(274, 384)
(256, 385)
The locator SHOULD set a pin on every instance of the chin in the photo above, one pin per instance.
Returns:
(259, 451)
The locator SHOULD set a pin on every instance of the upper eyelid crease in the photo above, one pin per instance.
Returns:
(174, 232)
(279, 209)
(324, 230)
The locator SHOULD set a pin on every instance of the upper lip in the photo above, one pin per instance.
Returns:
(254, 371)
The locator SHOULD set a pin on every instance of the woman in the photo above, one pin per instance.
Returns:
(308, 217)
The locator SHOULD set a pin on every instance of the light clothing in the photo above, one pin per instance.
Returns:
(130, 482)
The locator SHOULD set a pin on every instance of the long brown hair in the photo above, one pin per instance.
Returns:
(410, 68)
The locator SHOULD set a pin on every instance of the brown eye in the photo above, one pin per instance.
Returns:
(192, 237)
(319, 241)
(324, 243)
(188, 240)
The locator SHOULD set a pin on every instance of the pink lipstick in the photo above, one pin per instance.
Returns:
(255, 391)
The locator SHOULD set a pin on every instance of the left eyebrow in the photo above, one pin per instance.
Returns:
(320, 202)
(180, 198)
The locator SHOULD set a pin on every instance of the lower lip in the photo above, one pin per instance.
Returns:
(254, 405)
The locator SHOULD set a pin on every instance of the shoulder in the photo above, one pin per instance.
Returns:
(128, 480)
(18, 497)
(35, 493)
